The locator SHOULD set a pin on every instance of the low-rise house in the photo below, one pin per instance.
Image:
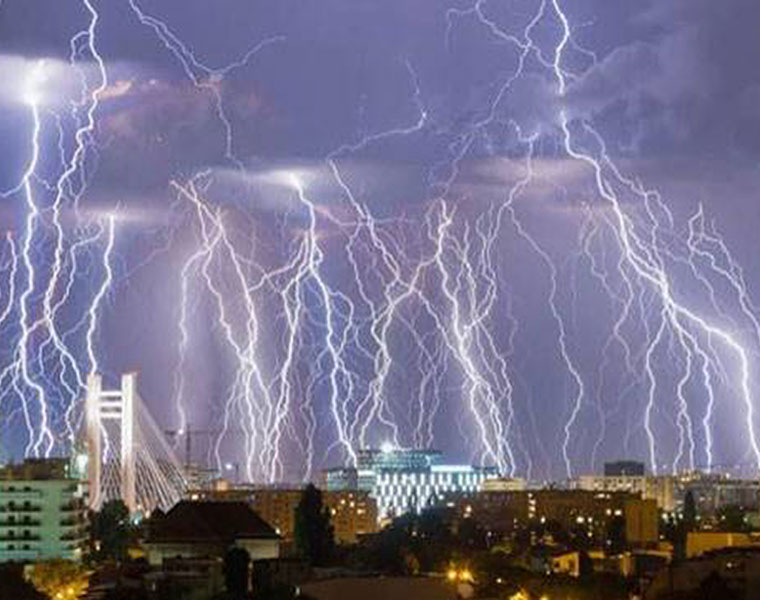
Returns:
(554, 560)
(718, 574)
(209, 529)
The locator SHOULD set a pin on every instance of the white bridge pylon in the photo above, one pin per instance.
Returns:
(128, 457)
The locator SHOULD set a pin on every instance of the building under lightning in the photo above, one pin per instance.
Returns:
(404, 480)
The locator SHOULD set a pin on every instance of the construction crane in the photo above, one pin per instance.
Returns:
(189, 433)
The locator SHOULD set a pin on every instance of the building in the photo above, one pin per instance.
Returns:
(621, 468)
(503, 484)
(504, 513)
(353, 513)
(701, 542)
(661, 488)
(548, 560)
(727, 573)
(401, 480)
(195, 530)
(641, 522)
(43, 510)
(713, 492)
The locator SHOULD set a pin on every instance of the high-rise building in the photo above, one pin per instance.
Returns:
(401, 480)
(43, 510)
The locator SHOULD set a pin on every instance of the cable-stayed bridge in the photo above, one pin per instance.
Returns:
(128, 456)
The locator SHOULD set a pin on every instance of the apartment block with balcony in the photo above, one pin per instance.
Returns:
(43, 511)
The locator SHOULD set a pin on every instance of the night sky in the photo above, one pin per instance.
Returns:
(522, 232)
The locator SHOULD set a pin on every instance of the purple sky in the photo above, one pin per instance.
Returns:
(402, 294)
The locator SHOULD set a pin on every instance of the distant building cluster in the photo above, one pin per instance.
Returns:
(711, 492)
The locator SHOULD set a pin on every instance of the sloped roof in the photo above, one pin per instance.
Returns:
(221, 522)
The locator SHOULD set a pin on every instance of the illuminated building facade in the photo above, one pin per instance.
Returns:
(711, 491)
(574, 510)
(43, 511)
(352, 513)
(661, 488)
(403, 480)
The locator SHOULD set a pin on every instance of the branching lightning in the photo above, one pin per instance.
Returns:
(338, 321)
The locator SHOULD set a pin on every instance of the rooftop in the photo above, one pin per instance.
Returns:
(36, 469)
(208, 521)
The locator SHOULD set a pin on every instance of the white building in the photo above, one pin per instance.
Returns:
(401, 480)
(43, 511)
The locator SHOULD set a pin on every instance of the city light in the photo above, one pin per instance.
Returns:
(305, 297)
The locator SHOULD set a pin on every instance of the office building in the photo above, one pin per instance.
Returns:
(43, 510)
(402, 480)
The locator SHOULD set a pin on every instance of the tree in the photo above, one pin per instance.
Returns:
(731, 518)
(689, 512)
(616, 535)
(585, 566)
(110, 530)
(13, 585)
(60, 578)
(236, 562)
(313, 533)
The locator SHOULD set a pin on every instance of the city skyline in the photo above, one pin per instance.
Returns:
(520, 233)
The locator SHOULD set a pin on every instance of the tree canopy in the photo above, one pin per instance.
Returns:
(313, 532)
(110, 530)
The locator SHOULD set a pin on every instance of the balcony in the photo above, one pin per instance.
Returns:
(6, 522)
(20, 494)
(18, 555)
(20, 508)
(31, 537)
